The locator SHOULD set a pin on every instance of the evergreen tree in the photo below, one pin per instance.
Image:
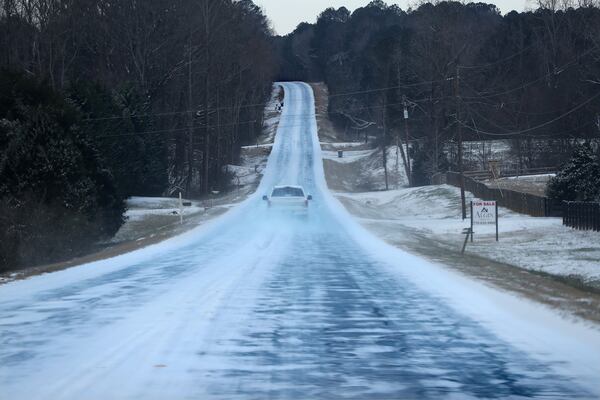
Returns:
(56, 195)
(579, 178)
(130, 145)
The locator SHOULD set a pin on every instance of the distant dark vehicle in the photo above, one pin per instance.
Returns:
(288, 199)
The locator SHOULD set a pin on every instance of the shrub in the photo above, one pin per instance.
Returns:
(56, 196)
(579, 178)
(423, 162)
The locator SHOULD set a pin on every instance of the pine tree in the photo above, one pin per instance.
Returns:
(579, 178)
(56, 195)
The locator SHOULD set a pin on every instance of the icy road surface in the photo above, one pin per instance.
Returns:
(258, 307)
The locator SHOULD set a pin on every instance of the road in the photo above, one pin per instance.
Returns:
(255, 306)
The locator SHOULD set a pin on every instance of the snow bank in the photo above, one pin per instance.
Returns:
(349, 156)
(143, 207)
(535, 178)
(271, 117)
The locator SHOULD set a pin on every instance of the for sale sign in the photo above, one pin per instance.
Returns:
(484, 213)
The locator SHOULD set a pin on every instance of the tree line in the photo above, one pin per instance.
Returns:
(460, 71)
(105, 99)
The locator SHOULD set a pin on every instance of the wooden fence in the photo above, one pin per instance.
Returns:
(487, 174)
(528, 171)
(581, 215)
(525, 203)
(439, 178)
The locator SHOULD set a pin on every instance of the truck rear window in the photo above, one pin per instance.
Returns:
(287, 191)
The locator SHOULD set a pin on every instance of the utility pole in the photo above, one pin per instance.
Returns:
(407, 138)
(400, 146)
(384, 146)
(460, 143)
(190, 172)
(207, 54)
(218, 135)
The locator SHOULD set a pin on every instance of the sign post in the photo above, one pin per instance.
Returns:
(484, 213)
(471, 221)
(496, 220)
(180, 208)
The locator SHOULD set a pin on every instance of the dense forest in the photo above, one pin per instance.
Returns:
(461, 71)
(104, 99)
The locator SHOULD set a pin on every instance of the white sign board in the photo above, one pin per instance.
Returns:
(484, 213)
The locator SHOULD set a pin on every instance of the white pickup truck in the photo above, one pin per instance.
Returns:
(289, 199)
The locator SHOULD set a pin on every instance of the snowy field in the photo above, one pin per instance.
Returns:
(533, 184)
(477, 153)
(362, 170)
(538, 244)
(147, 216)
(271, 116)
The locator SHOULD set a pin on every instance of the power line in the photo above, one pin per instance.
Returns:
(491, 64)
(528, 135)
(163, 114)
(535, 127)
(313, 114)
(142, 133)
(405, 86)
(550, 135)
(212, 110)
(497, 94)
(301, 115)
(556, 71)
(215, 109)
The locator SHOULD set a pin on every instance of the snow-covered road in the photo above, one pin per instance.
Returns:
(254, 306)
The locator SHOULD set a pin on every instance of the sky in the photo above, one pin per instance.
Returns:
(285, 15)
